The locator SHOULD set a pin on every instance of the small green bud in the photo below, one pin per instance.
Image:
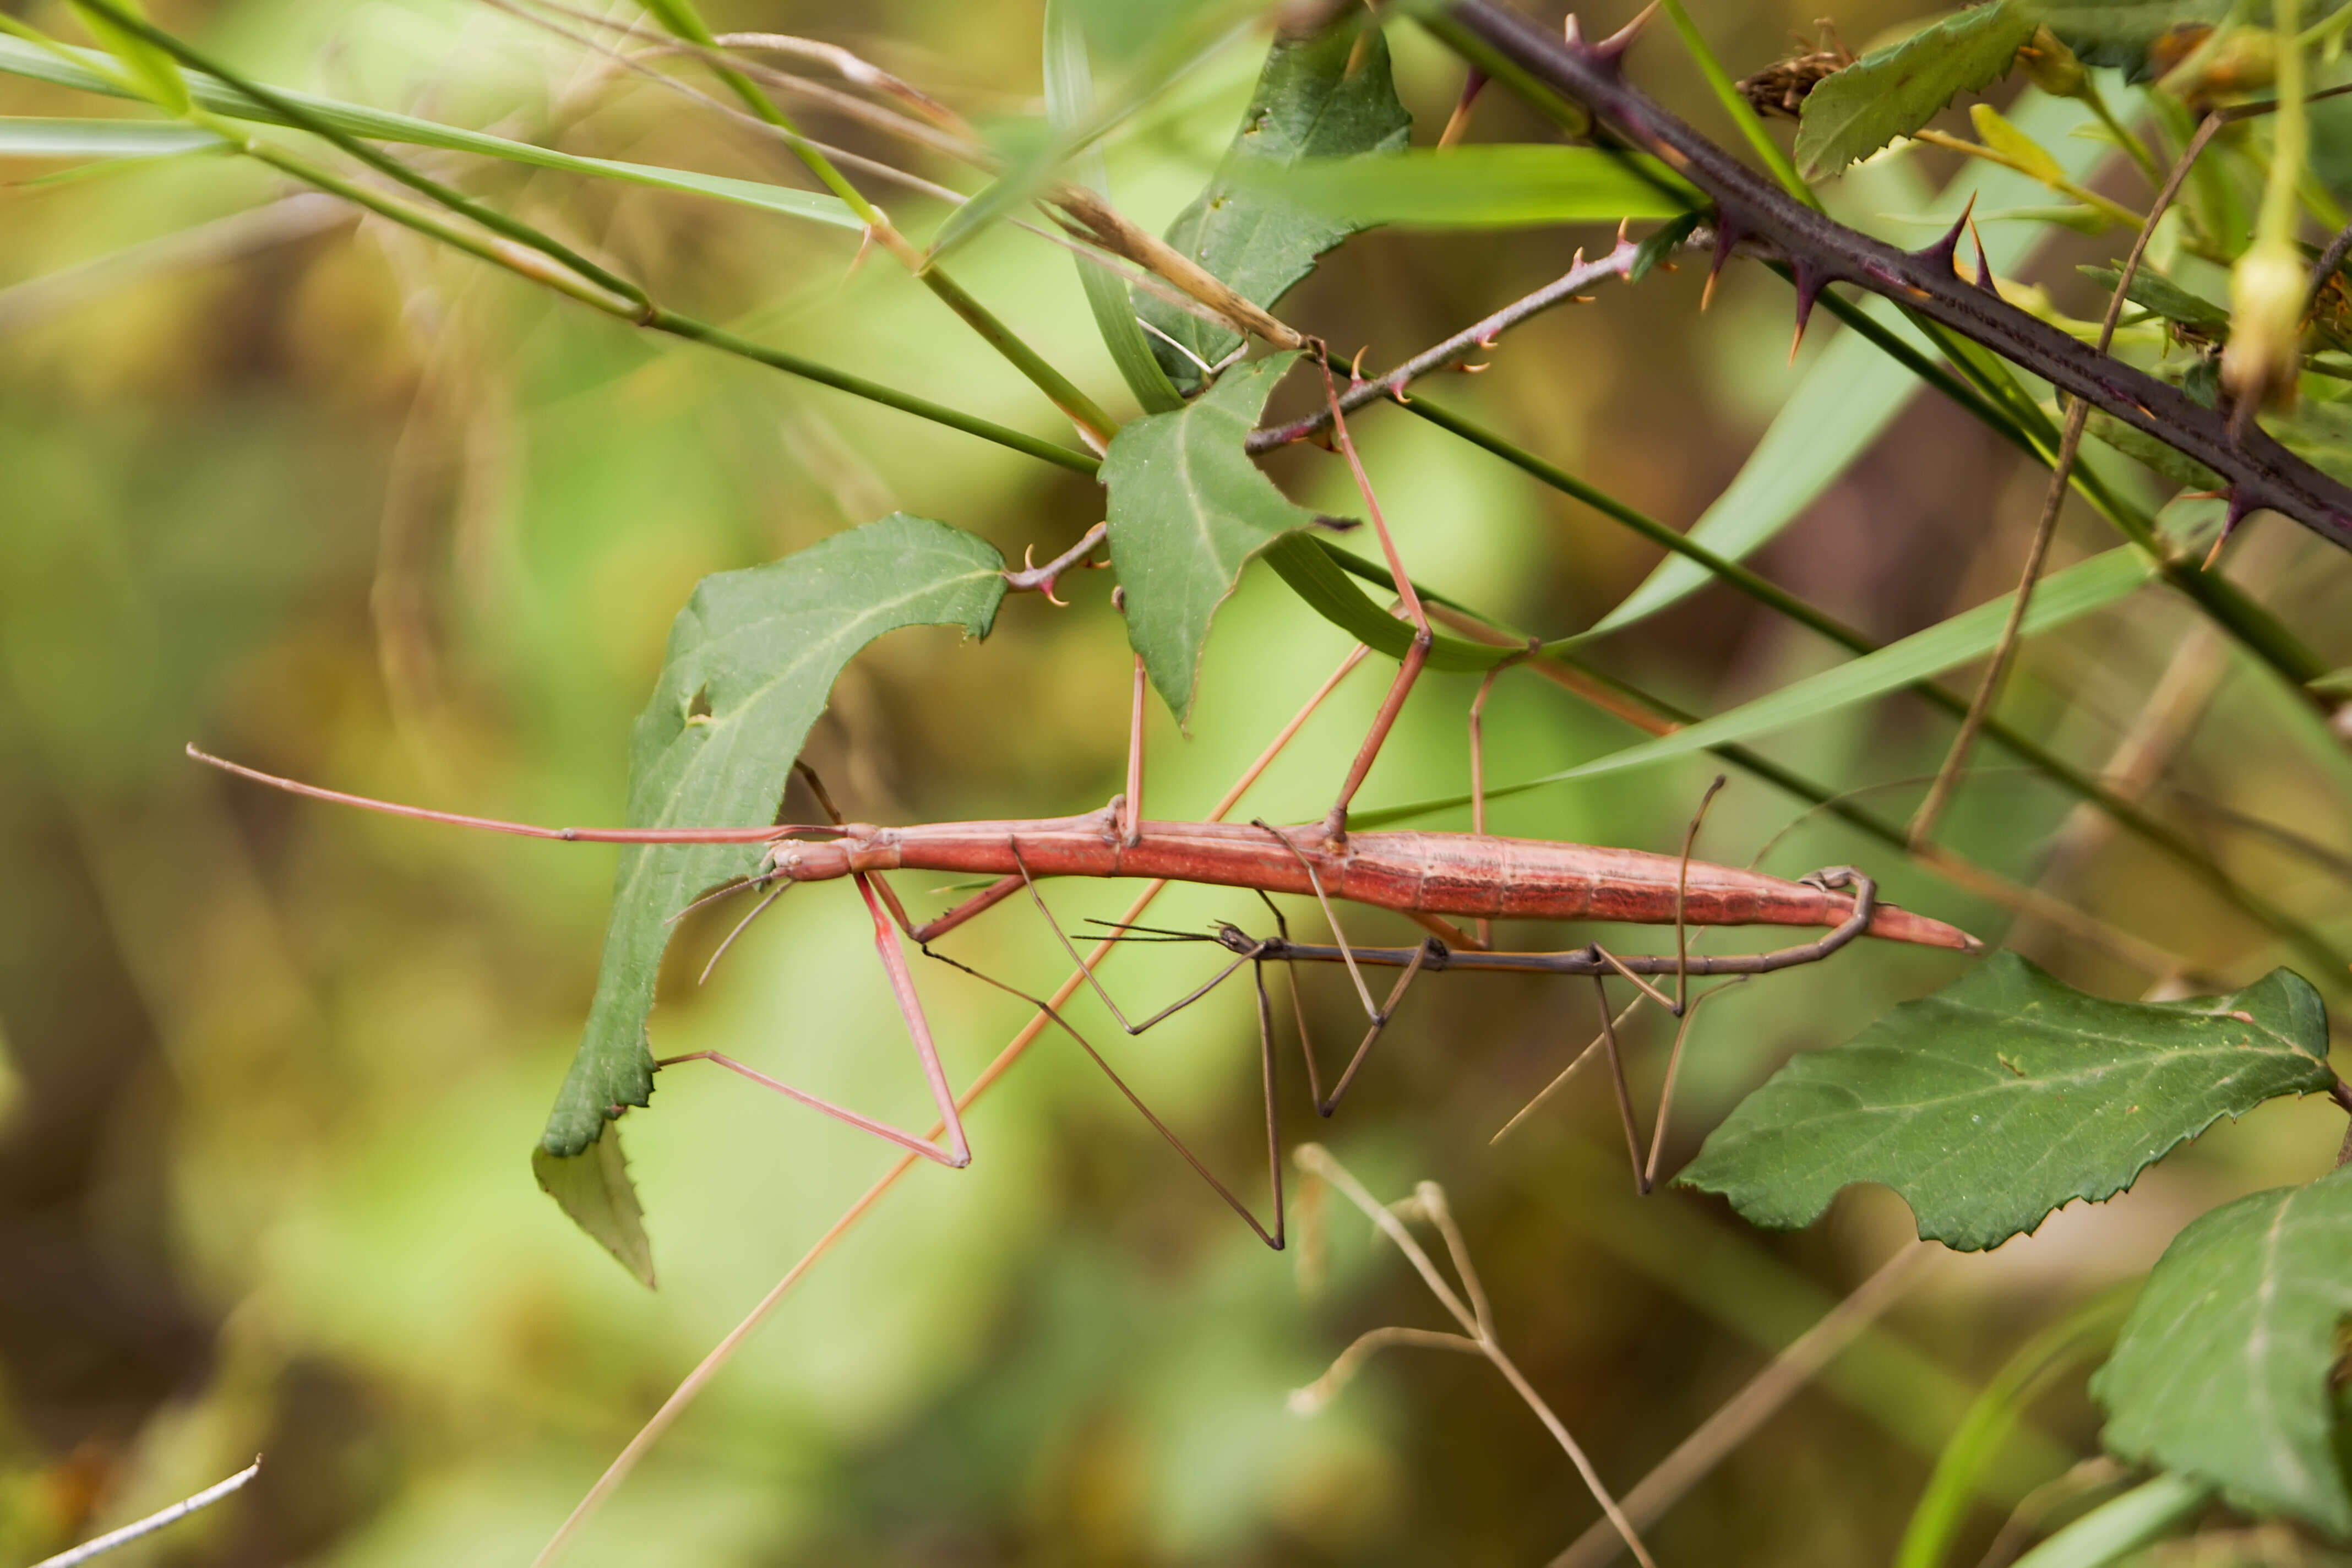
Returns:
(2266, 294)
(2051, 65)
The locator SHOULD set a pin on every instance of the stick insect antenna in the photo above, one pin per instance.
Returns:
(741, 926)
(523, 829)
(1087, 970)
(1617, 1077)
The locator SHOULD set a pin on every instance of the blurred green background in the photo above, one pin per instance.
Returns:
(320, 498)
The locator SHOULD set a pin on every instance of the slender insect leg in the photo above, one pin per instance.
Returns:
(1478, 765)
(1674, 1068)
(1087, 970)
(1621, 967)
(1331, 915)
(958, 1153)
(1617, 1077)
(1380, 1022)
(1134, 814)
(1334, 826)
(1272, 1238)
(1682, 894)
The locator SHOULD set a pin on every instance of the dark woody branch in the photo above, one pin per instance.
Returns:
(2260, 472)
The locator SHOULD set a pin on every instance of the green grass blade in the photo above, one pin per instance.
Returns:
(29, 137)
(1743, 114)
(1487, 185)
(1069, 103)
(2062, 596)
(2109, 1532)
(20, 58)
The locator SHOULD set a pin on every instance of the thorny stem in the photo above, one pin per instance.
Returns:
(1453, 350)
(2261, 472)
(1318, 1160)
(1043, 579)
(708, 1368)
(2139, 821)
(2078, 412)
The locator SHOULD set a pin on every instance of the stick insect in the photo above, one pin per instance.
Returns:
(1426, 876)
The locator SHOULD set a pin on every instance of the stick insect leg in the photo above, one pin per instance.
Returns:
(1617, 1078)
(1272, 1238)
(1334, 826)
(1674, 1069)
(958, 1153)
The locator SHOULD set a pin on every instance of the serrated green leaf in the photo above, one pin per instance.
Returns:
(1490, 186)
(24, 137)
(2007, 1095)
(593, 1188)
(2224, 1368)
(2152, 291)
(1188, 509)
(750, 661)
(1309, 103)
(20, 58)
(1069, 103)
(1894, 91)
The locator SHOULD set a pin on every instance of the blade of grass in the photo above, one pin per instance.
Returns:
(681, 17)
(30, 137)
(1743, 114)
(1069, 103)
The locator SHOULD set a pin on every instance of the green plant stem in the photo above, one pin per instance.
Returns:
(678, 324)
(2113, 1530)
(681, 18)
(296, 115)
(1743, 114)
(2124, 136)
(2186, 851)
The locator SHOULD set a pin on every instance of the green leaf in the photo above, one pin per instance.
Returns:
(2007, 1095)
(593, 1188)
(1070, 102)
(155, 73)
(2060, 597)
(1850, 394)
(750, 661)
(22, 137)
(2022, 152)
(1488, 185)
(1659, 244)
(20, 58)
(1309, 103)
(1316, 573)
(2152, 291)
(1891, 93)
(1188, 509)
(2223, 1369)
(2134, 442)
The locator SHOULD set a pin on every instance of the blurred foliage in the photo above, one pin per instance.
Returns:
(328, 499)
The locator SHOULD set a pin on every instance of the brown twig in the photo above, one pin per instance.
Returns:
(1753, 1405)
(1476, 1319)
(2078, 413)
(1471, 339)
